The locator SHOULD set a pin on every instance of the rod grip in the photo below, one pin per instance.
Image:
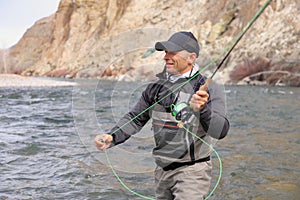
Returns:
(205, 86)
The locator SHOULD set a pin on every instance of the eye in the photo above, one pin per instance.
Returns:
(170, 53)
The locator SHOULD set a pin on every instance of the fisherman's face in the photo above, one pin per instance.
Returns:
(178, 62)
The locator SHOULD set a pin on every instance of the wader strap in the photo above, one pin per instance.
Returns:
(175, 165)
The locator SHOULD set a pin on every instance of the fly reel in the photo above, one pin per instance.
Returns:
(180, 111)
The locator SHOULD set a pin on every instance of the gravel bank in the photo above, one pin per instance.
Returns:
(12, 80)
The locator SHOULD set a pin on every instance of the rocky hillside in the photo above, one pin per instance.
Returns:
(108, 38)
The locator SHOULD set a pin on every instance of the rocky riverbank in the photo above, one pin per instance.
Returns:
(107, 40)
(12, 80)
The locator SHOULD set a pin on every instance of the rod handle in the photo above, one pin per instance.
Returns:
(205, 86)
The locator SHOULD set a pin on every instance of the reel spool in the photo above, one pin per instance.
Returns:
(180, 111)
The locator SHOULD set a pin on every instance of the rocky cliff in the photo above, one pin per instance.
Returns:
(108, 38)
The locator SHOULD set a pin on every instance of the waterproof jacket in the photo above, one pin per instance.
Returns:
(172, 143)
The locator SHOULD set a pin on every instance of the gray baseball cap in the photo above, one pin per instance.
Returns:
(180, 41)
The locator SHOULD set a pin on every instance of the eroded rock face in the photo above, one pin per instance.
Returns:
(248, 67)
(107, 38)
(264, 71)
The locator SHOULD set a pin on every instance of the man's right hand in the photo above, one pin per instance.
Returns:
(103, 141)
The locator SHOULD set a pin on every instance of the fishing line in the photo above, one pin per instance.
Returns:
(218, 156)
(229, 48)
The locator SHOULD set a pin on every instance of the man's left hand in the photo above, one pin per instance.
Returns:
(199, 100)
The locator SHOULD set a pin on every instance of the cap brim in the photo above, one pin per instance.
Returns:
(167, 46)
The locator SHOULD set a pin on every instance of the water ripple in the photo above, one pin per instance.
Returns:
(43, 156)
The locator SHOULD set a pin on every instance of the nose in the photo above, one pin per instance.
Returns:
(167, 55)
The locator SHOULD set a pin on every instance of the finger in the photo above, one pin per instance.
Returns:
(202, 93)
(96, 140)
(101, 138)
(194, 105)
(197, 104)
(100, 146)
(195, 100)
(196, 97)
(107, 139)
(100, 142)
(198, 100)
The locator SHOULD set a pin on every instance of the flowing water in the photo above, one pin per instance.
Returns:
(47, 151)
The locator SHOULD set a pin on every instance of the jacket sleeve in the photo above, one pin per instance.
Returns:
(134, 120)
(213, 116)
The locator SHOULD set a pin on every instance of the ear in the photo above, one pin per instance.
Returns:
(191, 58)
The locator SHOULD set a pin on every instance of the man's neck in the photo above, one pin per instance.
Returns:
(188, 74)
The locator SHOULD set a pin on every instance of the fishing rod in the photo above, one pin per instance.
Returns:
(236, 41)
(182, 109)
(203, 87)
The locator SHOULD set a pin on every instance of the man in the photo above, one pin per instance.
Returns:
(183, 162)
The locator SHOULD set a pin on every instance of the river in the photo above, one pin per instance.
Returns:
(47, 151)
